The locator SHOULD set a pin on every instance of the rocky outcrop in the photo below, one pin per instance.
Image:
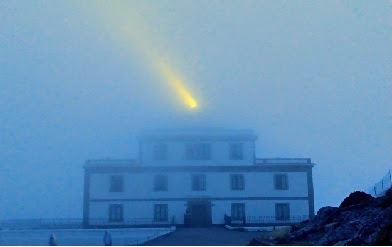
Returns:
(359, 220)
(355, 198)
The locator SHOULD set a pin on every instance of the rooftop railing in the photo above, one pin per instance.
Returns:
(283, 161)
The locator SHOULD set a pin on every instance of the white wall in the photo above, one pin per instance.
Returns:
(176, 153)
(140, 186)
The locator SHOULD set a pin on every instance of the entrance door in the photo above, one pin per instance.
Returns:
(200, 212)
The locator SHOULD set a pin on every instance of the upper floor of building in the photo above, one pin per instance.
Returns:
(197, 147)
(215, 147)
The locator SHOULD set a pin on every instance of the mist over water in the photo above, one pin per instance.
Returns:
(312, 79)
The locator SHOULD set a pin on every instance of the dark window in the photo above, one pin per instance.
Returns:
(236, 151)
(237, 182)
(160, 212)
(282, 211)
(198, 151)
(237, 211)
(198, 182)
(116, 213)
(160, 151)
(281, 182)
(160, 183)
(116, 184)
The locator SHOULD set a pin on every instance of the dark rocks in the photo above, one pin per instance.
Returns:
(360, 220)
(384, 236)
(262, 242)
(386, 200)
(357, 197)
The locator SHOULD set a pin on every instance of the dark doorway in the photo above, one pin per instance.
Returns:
(199, 213)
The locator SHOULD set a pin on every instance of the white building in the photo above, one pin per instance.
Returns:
(198, 177)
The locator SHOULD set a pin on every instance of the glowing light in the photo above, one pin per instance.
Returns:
(187, 97)
(133, 31)
(178, 85)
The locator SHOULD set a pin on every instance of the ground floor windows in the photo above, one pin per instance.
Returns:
(237, 211)
(199, 212)
(282, 211)
(161, 212)
(116, 213)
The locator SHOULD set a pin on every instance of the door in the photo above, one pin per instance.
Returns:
(200, 213)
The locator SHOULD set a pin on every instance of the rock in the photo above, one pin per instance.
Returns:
(331, 226)
(342, 243)
(326, 215)
(386, 200)
(262, 242)
(343, 232)
(360, 220)
(384, 236)
(357, 197)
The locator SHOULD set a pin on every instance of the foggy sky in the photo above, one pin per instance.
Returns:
(312, 79)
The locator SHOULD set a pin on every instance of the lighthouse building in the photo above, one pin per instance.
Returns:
(197, 177)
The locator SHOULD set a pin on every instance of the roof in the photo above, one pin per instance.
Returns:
(198, 133)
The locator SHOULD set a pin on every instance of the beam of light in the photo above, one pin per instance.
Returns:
(178, 85)
(123, 22)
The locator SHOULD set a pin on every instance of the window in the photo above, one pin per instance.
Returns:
(160, 151)
(116, 184)
(282, 211)
(198, 151)
(116, 213)
(237, 211)
(160, 212)
(281, 182)
(237, 182)
(160, 183)
(198, 182)
(236, 151)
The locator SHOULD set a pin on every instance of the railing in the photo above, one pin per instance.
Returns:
(55, 223)
(265, 220)
(131, 222)
(77, 223)
(83, 237)
(283, 160)
(383, 185)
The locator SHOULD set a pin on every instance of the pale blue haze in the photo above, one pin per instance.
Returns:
(312, 78)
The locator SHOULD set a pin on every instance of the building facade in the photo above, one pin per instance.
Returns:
(198, 178)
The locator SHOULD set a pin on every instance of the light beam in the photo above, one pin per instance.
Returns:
(122, 20)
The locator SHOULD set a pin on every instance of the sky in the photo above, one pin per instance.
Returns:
(80, 80)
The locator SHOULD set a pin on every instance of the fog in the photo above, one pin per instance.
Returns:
(80, 81)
